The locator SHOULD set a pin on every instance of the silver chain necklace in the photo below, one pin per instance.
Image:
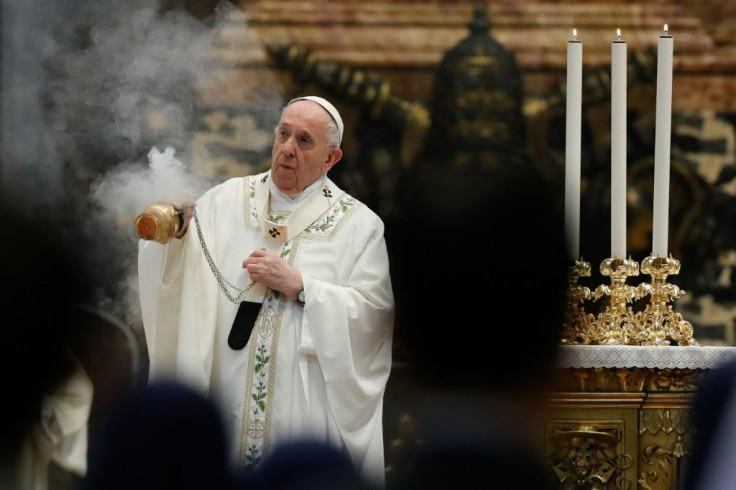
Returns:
(237, 295)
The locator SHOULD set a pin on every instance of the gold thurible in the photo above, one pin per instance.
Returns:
(160, 221)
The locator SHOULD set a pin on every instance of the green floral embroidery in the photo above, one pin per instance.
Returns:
(332, 216)
(251, 212)
(276, 218)
(259, 393)
(257, 421)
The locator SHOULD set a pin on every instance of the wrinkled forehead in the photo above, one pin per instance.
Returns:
(305, 115)
(327, 107)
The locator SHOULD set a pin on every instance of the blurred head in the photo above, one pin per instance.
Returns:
(305, 464)
(306, 144)
(481, 278)
(45, 284)
(164, 435)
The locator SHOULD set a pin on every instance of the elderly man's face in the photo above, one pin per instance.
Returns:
(301, 153)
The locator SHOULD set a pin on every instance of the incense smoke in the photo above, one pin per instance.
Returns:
(99, 108)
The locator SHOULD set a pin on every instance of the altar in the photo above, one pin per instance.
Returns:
(620, 415)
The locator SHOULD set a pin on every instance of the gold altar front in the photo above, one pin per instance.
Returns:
(619, 417)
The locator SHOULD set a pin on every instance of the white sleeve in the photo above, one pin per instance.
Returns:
(159, 284)
(349, 327)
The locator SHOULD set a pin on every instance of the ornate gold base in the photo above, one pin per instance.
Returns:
(618, 323)
(660, 323)
(577, 320)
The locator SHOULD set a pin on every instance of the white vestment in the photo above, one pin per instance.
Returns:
(318, 370)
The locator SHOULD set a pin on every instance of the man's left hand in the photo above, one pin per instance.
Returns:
(272, 271)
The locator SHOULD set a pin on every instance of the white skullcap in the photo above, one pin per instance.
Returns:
(328, 107)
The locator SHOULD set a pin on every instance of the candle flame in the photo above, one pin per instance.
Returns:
(665, 29)
(618, 34)
(574, 34)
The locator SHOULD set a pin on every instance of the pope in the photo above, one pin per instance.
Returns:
(275, 299)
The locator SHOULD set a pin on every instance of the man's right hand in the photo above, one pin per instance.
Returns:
(188, 213)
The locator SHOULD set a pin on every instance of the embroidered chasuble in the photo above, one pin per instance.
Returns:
(317, 370)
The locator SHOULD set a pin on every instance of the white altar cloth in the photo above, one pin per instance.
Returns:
(634, 356)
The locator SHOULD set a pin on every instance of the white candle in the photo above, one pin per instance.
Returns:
(573, 129)
(662, 134)
(618, 147)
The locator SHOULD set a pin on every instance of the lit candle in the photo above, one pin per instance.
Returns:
(572, 143)
(618, 147)
(662, 133)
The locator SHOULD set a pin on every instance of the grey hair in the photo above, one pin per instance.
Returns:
(333, 134)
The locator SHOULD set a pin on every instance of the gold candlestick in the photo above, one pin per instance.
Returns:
(577, 321)
(660, 324)
(617, 323)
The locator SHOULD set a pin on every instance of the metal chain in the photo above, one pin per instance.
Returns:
(221, 281)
